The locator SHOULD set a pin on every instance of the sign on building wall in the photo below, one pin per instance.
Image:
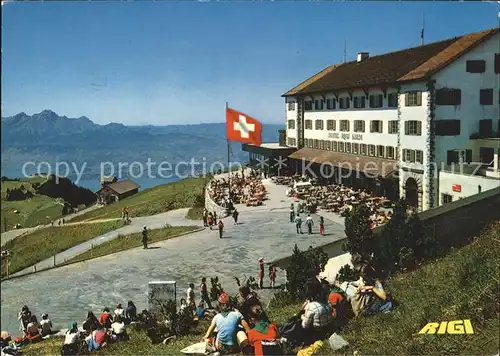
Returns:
(159, 293)
(456, 188)
(345, 136)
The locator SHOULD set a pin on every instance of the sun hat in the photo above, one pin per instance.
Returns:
(261, 259)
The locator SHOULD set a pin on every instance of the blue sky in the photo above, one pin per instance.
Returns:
(179, 62)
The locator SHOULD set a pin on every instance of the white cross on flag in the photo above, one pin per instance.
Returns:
(243, 128)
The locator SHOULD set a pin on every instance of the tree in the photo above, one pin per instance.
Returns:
(359, 235)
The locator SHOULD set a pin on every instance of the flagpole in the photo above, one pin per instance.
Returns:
(422, 33)
(228, 158)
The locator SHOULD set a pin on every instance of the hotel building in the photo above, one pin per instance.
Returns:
(421, 123)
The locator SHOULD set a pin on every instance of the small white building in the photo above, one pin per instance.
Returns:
(421, 123)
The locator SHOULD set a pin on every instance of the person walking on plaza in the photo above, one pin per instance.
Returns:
(298, 224)
(190, 297)
(309, 223)
(145, 237)
(221, 228)
(292, 213)
(204, 293)
(215, 216)
(235, 216)
(261, 272)
(210, 220)
(321, 226)
(272, 274)
(204, 217)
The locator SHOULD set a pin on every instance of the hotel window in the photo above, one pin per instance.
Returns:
(413, 98)
(322, 145)
(341, 146)
(334, 145)
(371, 150)
(448, 96)
(344, 125)
(359, 126)
(486, 97)
(475, 66)
(419, 156)
(316, 143)
(355, 148)
(376, 126)
(359, 102)
(308, 105)
(393, 126)
(497, 63)
(330, 125)
(329, 145)
(392, 100)
(291, 106)
(446, 198)
(318, 104)
(291, 141)
(344, 103)
(376, 101)
(413, 128)
(380, 150)
(308, 124)
(409, 155)
(291, 124)
(447, 127)
(390, 152)
(330, 104)
(319, 124)
(362, 149)
(348, 147)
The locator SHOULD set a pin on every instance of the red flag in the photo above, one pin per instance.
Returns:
(243, 128)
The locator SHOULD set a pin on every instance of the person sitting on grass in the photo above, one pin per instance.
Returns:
(106, 319)
(118, 328)
(32, 332)
(201, 310)
(70, 346)
(228, 322)
(317, 317)
(46, 325)
(91, 323)
(119, 311)
(97, 339)
(131, 312)
(263, 331)
(183, 306)
(370, 297)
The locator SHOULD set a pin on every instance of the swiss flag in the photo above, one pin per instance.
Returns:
(243, 128)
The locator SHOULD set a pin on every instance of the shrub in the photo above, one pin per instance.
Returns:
(346, 274)
(303, 266)
(359, 236)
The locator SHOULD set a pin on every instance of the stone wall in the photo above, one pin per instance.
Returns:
(210, 205)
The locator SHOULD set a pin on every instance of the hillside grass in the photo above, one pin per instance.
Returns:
(125, 242)
(32, 212)
(152, 201)
(27, 250)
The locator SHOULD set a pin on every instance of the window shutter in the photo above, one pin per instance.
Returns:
(380, 129)
(407, 100)
(458, 97)
(407, 126)
(419, 128)
(419, 98)
(363, 125)
(412, 155)
(468, 156)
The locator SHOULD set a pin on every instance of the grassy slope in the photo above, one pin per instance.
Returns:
(126, 242)
(29, 249)
(32, 212)
(463, 285)
(152, 201)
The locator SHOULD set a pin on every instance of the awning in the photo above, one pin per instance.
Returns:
(370, 165)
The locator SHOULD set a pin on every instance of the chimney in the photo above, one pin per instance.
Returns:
(362, 56)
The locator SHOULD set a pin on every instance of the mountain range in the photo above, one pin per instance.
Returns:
(48, 137)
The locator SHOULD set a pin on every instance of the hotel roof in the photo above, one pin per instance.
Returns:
(406, 65)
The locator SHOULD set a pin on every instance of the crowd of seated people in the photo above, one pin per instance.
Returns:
(237, 325)
(244, 188)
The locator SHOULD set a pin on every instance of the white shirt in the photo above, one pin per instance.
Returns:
(190, 293)
(118, 328)
(309, 220)
(119, 312)
(71, 338)
(46, 325)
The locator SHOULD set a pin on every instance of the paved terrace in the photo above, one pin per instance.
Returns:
(67, 293)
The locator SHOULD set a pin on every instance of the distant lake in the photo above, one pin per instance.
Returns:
(94, 183)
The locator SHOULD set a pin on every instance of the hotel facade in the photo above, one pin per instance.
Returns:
(421, 123)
